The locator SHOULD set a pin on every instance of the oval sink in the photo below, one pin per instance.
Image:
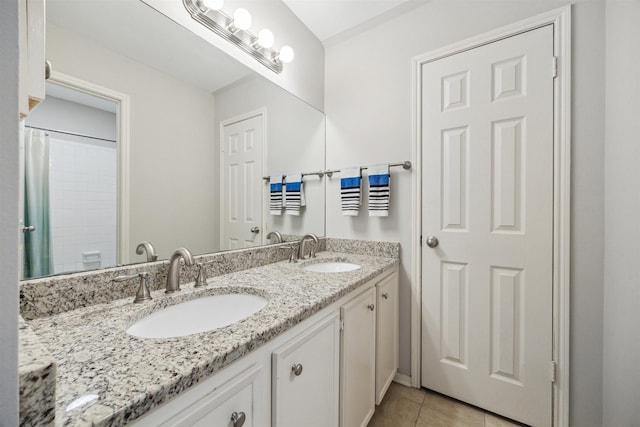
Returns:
(198, 315)
(331, 267)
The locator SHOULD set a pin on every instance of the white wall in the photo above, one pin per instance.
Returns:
(622, 205)
(369, 110)
(295, 142)
(303, 77)
(172, 173)
(61, 114)
(9, 213)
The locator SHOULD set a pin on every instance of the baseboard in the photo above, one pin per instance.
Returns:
(403, 379)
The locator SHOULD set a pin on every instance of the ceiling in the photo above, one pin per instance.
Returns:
(328, 18)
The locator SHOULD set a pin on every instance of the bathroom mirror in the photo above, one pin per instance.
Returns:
(191, 109)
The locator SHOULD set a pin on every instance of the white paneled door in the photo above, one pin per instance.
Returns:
(487, 135)
(242, 183)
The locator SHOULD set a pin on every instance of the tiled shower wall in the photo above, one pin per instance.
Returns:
(83, 203)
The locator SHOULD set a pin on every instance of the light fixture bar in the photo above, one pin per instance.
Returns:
(221, 24)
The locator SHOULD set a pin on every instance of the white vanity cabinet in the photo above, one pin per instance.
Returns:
(386, 333)
(305, 378)
(328, 371)
(217, 402)
(358, 360)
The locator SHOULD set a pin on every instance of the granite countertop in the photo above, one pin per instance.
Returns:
(131, 375)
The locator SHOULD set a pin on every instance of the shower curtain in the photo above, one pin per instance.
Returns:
(37, 257)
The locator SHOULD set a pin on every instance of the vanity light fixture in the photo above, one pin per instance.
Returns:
(236, 30)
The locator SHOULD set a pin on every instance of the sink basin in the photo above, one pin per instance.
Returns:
(331, 267)
(198, 315)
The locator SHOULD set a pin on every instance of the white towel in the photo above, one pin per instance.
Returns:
(294, 196)
(379, 190)
(275, 195)
(350, 190)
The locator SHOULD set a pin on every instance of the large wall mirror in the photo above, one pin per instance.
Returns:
(150, 133)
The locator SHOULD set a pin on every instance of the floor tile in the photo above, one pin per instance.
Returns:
(440, 411)
(410, 393)
(491, 420)
(395, 411)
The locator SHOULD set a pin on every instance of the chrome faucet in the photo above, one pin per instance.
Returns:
(173, 275)
(301, 245)
(275, 234)
(147, 247)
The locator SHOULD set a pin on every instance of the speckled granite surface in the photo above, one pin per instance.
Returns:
(132, 375)
(57, 294)
(363, 247)
(37, 378)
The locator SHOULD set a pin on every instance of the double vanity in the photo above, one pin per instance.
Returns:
(267, 342)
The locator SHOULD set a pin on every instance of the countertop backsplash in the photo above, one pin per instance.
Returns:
(51, 295)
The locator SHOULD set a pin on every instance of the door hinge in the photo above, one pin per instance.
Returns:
(554, 67)
(552, 371)
(341, 324)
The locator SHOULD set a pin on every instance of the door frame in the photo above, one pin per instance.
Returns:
(226, 122)
(561, 20)
(123, 122)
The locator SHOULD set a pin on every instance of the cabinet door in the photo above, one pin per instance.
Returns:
(237, 396)
(358, 344)
(306, 377)
(386, 334)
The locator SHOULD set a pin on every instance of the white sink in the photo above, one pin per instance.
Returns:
(198, 315)
(331, 267)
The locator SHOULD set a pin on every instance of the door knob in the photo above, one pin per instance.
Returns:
(29, 228)
(297, 369)
(238, 419)
(432, 241)
(255, 230)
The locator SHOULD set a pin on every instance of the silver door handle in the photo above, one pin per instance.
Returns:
(432, 241)
(29, 228)
(255, 230)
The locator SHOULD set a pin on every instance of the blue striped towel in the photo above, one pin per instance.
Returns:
(294, 196)
(379, 190)
(275, 195)
(350, 193)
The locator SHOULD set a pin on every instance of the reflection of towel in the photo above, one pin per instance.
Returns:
(350, 193)
(294, 197)
(275, 195)
(379, 190)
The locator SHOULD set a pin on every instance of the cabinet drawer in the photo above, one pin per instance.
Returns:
(305, 377)
(238, 395)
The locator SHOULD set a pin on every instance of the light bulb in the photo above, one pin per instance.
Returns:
(242, 19)
(213, 4)
(286, 54)
(265, 38)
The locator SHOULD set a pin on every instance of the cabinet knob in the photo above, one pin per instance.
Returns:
(238, 419)
(385, 295)
(297, 369)
(371, 307)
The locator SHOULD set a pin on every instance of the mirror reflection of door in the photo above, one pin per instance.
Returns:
(70, 184)
(242, 184)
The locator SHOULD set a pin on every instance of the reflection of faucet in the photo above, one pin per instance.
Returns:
(275, 234)
(173, 275)
(312, 254)
(147, 247)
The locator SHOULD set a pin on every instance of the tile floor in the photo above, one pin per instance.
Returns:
(409, 407)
